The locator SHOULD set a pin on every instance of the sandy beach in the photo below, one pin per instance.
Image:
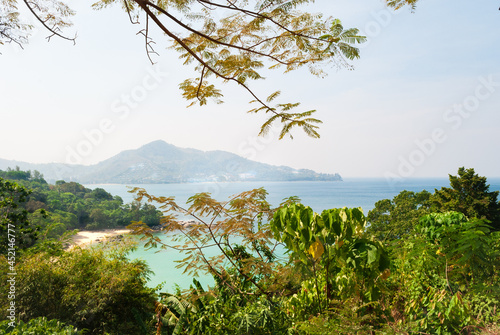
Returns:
(92, 236)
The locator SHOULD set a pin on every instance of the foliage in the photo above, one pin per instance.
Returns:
(331, 260)
(344, 317)
(446, 278)
(286, 270)
(441, 278)
(99, 290)
(37, 326)
(15, 230)
(445, 266)
(249, 277)
(396, 219)
(341, 264)
(234, 228)
(397, 4)
(469, 246)
(53, 15)
(421, 299)
(233, 42)
(469, 194)
(221, 312)
(335, 241)
(52, 210)
(18, 174)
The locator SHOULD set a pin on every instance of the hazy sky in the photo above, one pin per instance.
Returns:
(422, 101)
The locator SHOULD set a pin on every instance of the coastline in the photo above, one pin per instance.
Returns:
(85, 237)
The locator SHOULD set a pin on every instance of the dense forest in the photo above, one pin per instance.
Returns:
(52, 210)
(420, 263)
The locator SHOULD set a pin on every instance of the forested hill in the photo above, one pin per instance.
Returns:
(160, 162)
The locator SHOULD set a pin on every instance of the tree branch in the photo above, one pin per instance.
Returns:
(52, 30)
(258, 15)
(130, 13)
(201, 82)
(194, 31)
(148, 41)
(144, 5)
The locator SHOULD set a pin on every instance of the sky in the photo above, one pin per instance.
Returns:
(422, 101)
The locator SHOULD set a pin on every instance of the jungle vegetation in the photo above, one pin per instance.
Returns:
(50, 210)
(418, 263)
(425, 263)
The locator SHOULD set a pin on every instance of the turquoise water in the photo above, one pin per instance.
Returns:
(362, 193)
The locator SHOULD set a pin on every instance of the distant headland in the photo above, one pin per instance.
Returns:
(160, 163)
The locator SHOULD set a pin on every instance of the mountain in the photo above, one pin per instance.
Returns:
(159, 162)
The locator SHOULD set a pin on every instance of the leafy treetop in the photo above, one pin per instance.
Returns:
(469, 194)
(236, 48)
(396, 219)
(248, 38)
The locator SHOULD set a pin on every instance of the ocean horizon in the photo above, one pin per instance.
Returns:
(319, 195)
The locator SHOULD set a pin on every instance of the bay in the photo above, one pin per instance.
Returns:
(352, 192)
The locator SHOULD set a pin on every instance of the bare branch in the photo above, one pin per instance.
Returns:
(130, 13)
(9, 38)
(148, 42)
(54, 30)
(144, 5)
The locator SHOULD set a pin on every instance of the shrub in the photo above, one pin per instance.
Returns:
(94, 289)
(38, 326)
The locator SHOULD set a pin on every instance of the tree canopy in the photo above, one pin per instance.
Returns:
(284, 270)
(15, 230)
(431, 272)
(224, 42)
(469, 194)
(396, 218)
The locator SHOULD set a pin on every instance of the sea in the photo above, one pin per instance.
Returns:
(351, 192)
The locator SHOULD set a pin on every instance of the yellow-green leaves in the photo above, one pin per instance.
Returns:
(288, 120)
(199, 92)
(397, 4)
(235, 228)
(342, 223)
(229, 41)
(341, 41)
(234, 41)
